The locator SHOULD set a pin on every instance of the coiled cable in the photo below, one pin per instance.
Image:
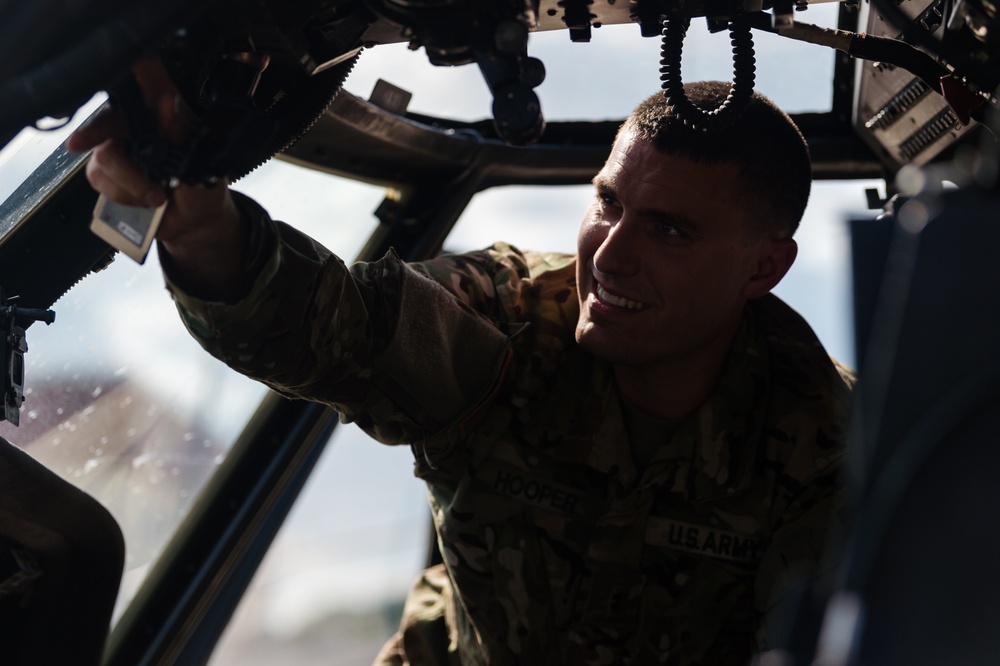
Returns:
(744, 74)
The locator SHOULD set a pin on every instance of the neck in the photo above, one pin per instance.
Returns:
(672, 389)
(663, 398)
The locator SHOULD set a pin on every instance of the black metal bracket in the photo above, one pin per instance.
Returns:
(13, 345)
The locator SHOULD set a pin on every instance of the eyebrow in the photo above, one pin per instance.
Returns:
(602, 186)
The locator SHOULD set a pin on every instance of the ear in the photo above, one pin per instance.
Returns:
(776, 257)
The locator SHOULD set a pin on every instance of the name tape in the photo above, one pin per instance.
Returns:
(703, 540)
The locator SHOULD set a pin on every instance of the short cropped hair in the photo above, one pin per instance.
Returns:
(775, 171)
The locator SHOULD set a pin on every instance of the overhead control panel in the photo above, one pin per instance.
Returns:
(900, 115)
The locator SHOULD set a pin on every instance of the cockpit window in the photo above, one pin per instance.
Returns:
(607, 77)
(27, 150)
(122, 403)
(119, 402)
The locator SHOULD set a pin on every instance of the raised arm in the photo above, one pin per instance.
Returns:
(402, 350)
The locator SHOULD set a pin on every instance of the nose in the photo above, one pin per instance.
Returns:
(619, 252)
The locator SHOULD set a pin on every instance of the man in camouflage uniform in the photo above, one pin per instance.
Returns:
(629, 453)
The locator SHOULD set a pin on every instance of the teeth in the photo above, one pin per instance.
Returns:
(618, 300)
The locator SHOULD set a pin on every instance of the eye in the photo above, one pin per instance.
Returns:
(607, 201)
(667, 229)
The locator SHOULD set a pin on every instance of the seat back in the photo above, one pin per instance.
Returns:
(61, 559)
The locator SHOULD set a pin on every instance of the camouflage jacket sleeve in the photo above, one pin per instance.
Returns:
(382, 342)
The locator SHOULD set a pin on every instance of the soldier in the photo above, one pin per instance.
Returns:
(629, 452)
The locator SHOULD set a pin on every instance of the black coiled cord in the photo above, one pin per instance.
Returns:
(744, 73)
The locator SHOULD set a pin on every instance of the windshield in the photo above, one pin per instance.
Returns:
(121, 402)
(607, 77)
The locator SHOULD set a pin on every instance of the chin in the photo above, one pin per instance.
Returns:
(603, 346)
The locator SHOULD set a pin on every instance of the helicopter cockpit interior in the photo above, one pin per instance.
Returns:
(911, 102)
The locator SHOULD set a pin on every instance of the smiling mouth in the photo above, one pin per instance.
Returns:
(618, 301)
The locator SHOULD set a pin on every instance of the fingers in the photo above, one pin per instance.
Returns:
(112, 172)
(175, 120)
(172, 117)
(153, 79)
(104, 125)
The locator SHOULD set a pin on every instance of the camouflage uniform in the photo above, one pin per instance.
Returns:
(557, 548)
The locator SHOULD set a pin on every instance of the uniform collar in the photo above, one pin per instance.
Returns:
(724, 433)
(711, 453)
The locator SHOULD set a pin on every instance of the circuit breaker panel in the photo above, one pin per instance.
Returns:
(896, 112)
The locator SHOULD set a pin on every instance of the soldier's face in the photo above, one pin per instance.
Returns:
(664, 262)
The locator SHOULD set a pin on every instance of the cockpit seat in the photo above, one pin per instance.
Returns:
(61, 559)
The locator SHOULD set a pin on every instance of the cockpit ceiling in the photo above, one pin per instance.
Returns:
(279, 48)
